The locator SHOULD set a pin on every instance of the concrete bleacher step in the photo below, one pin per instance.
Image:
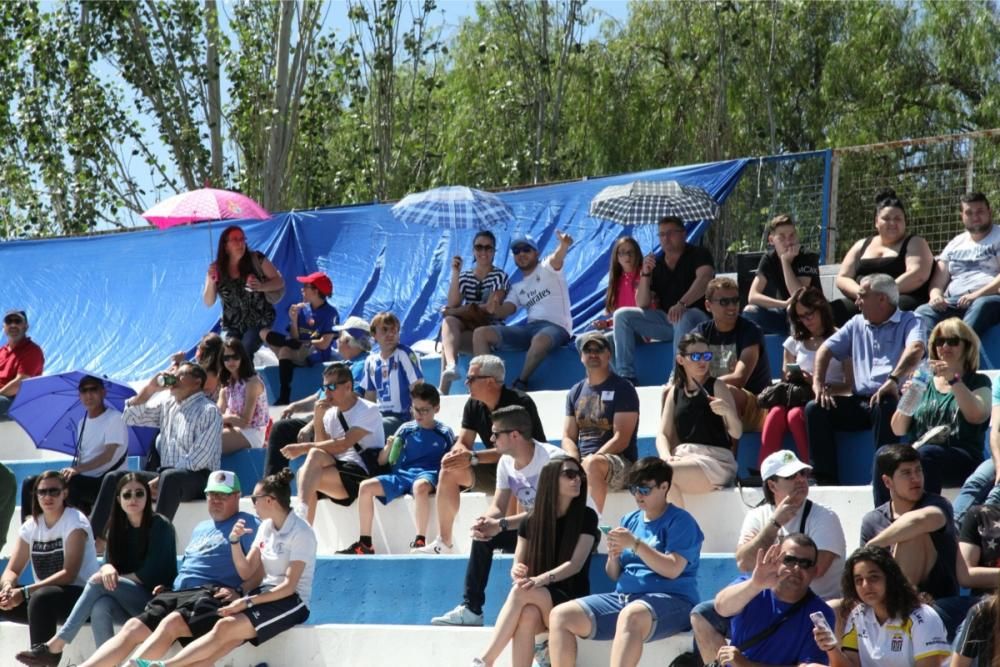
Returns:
(381, 645)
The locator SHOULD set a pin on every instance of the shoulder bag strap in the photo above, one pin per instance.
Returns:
(343, 424)
(771, 629)
(805, 515)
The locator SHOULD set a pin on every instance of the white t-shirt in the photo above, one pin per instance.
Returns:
(897, 643)
(524, 482)
(806, 359)
(364, 415)
(971, 264)
(545, 295)
(47, 545)
(822, 525)
(296, 541)
(107, 429)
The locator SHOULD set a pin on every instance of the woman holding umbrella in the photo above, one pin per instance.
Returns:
(241, 277)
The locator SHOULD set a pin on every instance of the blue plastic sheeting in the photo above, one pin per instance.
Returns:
(122, 303)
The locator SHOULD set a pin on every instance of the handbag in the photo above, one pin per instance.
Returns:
(273, 296)
(785, 395)
(471, 315)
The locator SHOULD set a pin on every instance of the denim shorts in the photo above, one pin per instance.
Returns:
(518, 336)
(670, 613)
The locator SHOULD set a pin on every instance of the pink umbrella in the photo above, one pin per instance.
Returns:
(203, 205)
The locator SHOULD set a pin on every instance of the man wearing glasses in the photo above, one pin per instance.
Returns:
(20, 358)
(776, 595)
(543, 292)
(463, 468)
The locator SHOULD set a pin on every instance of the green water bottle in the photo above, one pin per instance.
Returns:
(396, 450)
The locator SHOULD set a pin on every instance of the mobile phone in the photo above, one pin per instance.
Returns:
(605, 529)
(819, 620)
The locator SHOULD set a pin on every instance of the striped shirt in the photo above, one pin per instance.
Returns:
(474, 290)
(391, 378)
(190, 430)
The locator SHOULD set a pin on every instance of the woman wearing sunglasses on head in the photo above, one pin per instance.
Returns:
(242, 401)
(653, 558)
(885, 624)
(811, 320)
(285, 553)
(59, 542)
(471, 287)
(140, 556)
(698, 425)
(551, 563)
(957, 400)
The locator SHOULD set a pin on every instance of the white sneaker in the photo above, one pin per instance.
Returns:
(449, 374)
(435, 548)
(478, 662)
(460, 615)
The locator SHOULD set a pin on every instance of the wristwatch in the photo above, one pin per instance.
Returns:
(473, 459)
(248, 602)
(894, 378)
(232, 541)
(503, 524)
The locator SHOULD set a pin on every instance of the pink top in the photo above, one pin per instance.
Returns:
(628, 283)
(237, 399)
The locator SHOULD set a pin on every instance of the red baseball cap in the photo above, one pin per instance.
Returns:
(320, 281)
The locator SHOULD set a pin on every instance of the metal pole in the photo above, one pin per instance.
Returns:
(831, 182)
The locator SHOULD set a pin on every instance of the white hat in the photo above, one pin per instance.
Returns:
(781, 464)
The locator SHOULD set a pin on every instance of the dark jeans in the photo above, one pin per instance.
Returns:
(82, 493)
(175, 486)
(851, 413)
(942, 466)
(283, 432)
(477, 574)
(47, 607)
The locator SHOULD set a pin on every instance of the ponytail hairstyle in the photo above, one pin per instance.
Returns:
(279, 486)
(542, 538)
(887, 199)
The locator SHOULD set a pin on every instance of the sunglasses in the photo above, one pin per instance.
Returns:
(333, 385)
(699, 356)
(572, 473)
(521, 249)
(950, 341)
(138, 494)
(641, 489)
(230, 357)
(51, 491)
(727, 301)
(792, 561)
(593, 349)
(483, 248)
(503, 431)
(90, 388)
(13, 320)
(254, 499)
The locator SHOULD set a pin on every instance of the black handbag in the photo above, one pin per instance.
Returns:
(785, 395)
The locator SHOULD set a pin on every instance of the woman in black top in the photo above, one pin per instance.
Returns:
(905, 257)
(698, 424)
(551, 563)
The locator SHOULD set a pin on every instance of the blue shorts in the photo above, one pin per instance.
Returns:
(518, 336)
(401, 482)
(670, 613)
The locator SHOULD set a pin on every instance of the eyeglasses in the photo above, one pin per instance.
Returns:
(254, 499)
(469, 379)
(950, 341)
(699, 356)
(230, 357)
(593, 349)
(572, 473)
(641, 489)
(51, 491)
(521, 249)
(13, 320)
(139, 494)
(727, 301)
(503, 431)
(791, 561)
(421, 411)
(483, 248)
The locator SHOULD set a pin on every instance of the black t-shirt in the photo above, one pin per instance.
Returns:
(942, 581)
(579, 584)
(981, 527)
(670, 285)
(477, 417)
(727, 346)
(805, 266)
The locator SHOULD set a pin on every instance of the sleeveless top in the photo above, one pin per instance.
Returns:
(891, 266)
(237, 400)
(243, 310)
(694, 420)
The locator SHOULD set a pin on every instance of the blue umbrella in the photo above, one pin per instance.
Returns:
(453, 207)
(48, 408)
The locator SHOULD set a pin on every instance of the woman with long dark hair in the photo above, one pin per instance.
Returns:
(242, 401)
(623, 280)
(698, 425)
(240, 277)
(208, 355)
(885, 624)
(977, 642)
(59, 542)
(141, 555)
(551, 562)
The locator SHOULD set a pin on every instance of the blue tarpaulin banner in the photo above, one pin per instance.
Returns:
(120, 304)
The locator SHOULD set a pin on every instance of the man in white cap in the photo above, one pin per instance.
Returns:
(788, 510)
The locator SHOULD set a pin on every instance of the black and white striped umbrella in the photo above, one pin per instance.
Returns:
(647, 202)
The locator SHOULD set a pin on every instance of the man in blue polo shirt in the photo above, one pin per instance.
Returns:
(885, 344)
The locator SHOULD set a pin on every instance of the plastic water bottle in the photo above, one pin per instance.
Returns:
(915, 391)
(396, 450)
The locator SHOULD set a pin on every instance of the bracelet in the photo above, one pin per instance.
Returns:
(645, 275)
(503, 524)
(25, 593)
(776, 524)
(955, 380)
(232, 541)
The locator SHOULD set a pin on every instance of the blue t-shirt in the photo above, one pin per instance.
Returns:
(424, 447)
(208, 559)
(594, 408)
(358, 373)
(314, 324)
(391, 378)
(792, 643)
(674, 531)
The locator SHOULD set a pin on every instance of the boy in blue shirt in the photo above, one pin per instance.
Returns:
(390, 371)
(425, 441)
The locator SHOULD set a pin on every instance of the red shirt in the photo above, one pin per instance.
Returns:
(25, 359)
(628, 283)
